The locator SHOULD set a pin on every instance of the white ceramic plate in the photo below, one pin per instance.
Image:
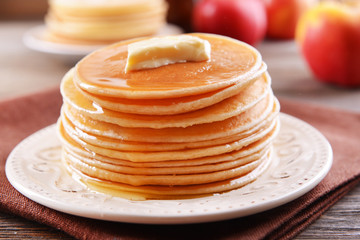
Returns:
(302, 157)
(34, 39)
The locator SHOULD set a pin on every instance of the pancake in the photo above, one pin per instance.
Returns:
(82, 137)
(262, 112)
(99, 8)
(170, 179)
(173, 105)
(163, 170)
(225, 109)
(258, 146)
(232, 62)
(176, 154)
(168, 192)
(177, 131)
(103, 22)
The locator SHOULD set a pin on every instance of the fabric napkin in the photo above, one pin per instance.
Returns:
(23, 116)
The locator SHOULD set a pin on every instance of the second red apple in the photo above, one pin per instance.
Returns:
(283, 15)
(244, 20)
(329, 39)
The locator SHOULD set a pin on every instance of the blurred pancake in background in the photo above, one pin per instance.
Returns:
(103, 21)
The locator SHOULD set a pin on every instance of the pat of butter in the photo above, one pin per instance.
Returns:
(161, 51)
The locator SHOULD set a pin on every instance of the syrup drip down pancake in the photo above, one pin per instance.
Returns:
(182, 130)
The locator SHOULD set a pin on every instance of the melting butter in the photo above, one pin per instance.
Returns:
(161, 51)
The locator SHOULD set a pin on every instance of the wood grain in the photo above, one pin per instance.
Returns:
(342, 221)
(13, 227)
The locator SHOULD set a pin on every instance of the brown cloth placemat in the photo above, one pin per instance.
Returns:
(23, 116)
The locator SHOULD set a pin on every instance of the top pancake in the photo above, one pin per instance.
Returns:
(232, 62)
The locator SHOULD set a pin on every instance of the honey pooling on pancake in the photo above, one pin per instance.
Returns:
(201, 128)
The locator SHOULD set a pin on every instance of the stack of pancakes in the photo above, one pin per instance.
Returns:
(103, 21)
(178, 131)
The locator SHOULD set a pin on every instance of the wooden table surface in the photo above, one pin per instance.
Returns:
(24, 71)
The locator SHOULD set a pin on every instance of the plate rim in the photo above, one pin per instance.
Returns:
(185, 218)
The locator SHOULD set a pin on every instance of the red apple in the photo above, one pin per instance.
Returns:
(283, 15)
(244, 20)
(329, 39)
